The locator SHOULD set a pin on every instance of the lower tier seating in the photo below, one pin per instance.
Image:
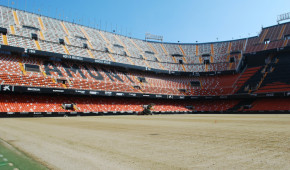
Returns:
(49, 103)
(271, 104)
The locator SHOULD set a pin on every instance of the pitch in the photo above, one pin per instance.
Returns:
(153, 142)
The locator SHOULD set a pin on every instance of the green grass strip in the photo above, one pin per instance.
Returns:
(3, 164)
(17, 158)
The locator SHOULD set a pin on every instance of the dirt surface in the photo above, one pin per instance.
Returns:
(154, 142)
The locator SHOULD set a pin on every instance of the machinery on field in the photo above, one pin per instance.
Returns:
(147, 109)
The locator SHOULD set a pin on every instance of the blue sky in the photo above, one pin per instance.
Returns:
(186, 21)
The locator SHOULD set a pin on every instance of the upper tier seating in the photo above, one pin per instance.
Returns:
(21, 25)
(270, 38)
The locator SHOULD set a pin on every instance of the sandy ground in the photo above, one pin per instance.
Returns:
(154, 142)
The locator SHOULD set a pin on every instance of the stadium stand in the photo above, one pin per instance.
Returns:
(276, 76)
(273, 104)
(40, 103)
(86, 76)
(99, 71)
(50, 32)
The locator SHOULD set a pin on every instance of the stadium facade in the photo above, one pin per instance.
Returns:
(54, 67)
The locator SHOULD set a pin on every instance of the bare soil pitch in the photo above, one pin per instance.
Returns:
(154, 142)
